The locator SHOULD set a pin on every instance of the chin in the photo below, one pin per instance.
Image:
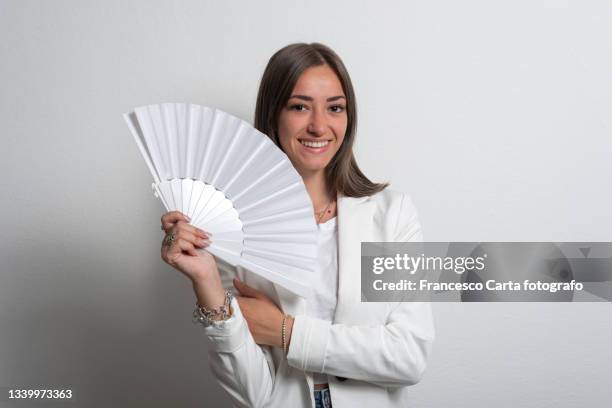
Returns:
(311, 167)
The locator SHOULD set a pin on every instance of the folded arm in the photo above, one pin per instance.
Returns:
(244, 369)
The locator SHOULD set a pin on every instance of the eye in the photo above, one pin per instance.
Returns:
(298, 107)
(337, 108)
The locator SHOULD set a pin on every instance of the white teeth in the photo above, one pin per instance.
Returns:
(314, 144)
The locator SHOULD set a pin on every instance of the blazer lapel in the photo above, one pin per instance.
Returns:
(355, 223)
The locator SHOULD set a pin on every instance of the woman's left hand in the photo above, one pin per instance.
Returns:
(262, 315)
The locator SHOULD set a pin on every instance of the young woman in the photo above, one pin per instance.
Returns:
(270, 348)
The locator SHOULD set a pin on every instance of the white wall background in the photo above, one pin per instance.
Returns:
(495, 116)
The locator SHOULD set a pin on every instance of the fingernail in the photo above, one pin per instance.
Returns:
(187, 218)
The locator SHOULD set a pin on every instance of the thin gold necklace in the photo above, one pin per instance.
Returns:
(320, 217)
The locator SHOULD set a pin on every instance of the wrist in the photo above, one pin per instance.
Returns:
(206, 277)
(209, 292)
(207, 316)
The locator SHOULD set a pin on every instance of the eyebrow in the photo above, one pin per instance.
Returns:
(309, 98)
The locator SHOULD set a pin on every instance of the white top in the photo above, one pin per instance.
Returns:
(322, 304)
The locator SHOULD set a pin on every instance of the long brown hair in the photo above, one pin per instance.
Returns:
(278, 80)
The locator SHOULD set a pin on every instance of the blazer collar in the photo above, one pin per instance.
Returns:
(355, 223)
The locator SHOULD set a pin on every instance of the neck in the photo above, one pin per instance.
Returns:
(317, 188)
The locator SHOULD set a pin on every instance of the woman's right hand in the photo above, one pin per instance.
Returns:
(182, 254)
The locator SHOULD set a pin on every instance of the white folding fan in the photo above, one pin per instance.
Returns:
(234, 182)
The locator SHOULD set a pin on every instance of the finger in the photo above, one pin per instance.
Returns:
(179, 246)
(164, 251)
(173, 217)
(194, 239)
(165, 247)
(169, 219)
(187, 247)
(183, 226)
(237, 286)
(246, 290)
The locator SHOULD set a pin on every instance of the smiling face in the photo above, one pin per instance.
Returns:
(312, 125)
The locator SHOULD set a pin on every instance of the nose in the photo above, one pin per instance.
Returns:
(318, 123)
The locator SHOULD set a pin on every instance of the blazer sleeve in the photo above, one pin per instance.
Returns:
(393, 354)
(244, 369)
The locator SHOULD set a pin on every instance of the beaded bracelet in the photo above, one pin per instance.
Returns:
(284, 333)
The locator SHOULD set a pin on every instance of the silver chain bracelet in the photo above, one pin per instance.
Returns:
(205, 316)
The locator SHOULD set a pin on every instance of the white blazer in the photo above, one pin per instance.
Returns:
(371, 352)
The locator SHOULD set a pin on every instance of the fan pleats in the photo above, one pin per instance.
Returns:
(233, 182)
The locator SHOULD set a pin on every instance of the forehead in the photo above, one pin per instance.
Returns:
(320, 80)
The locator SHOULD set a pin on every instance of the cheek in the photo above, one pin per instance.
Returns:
(284, 131)
(288, 128)
(340, 130)
(283, 139)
